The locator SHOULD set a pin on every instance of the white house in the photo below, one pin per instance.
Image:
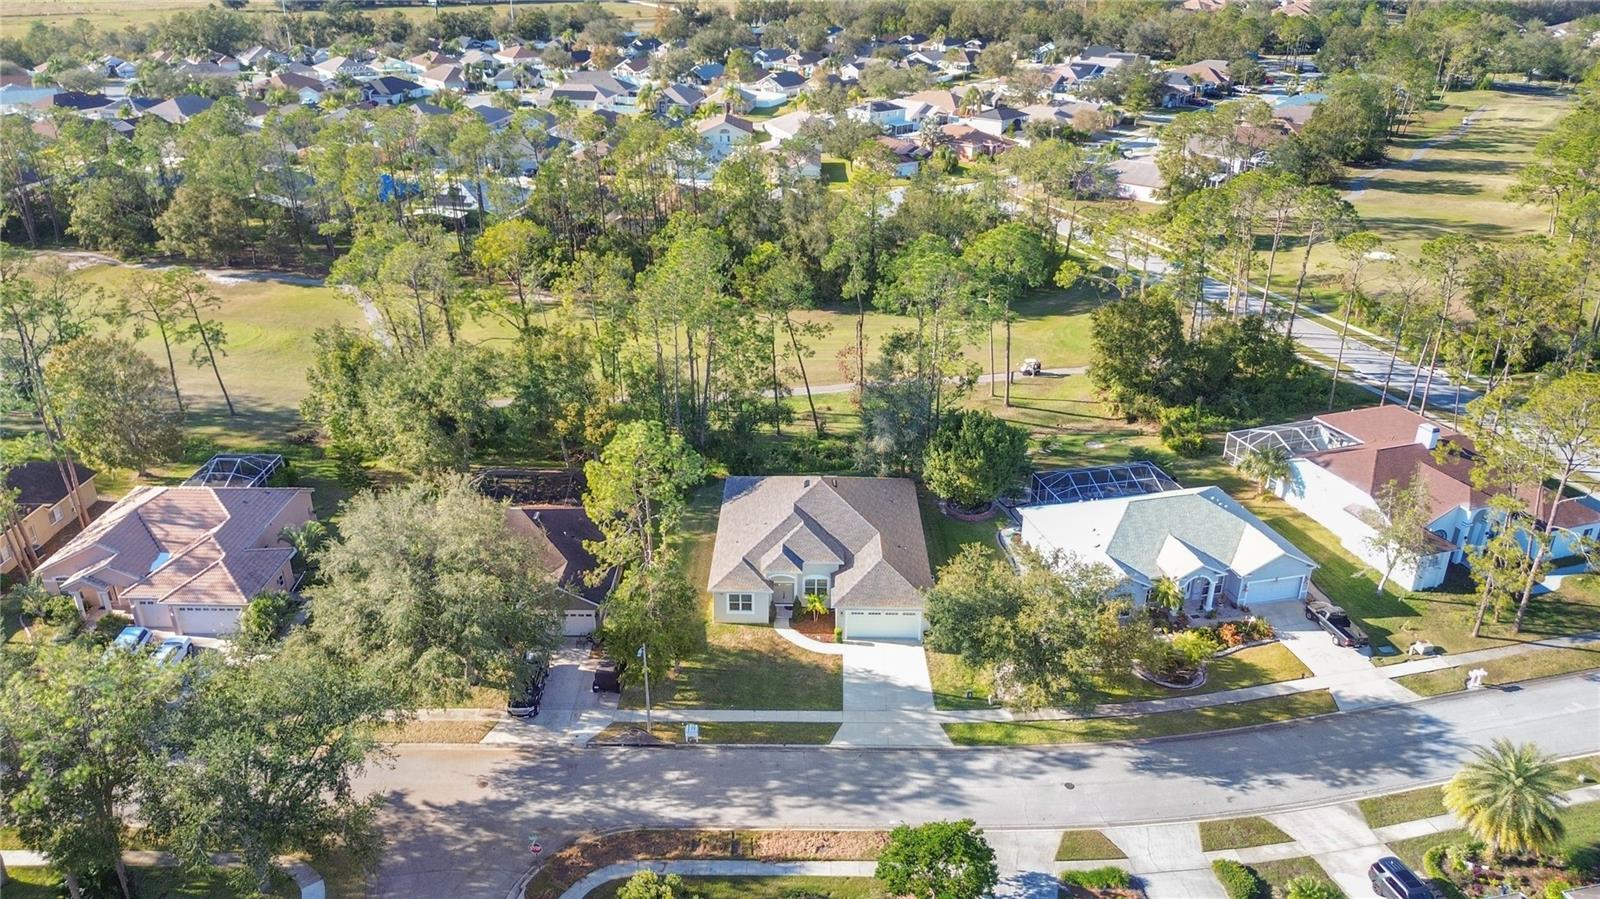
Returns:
(1216, 551)
(1339, 463)
(855, 542)
(723, 133)
(1139, 179)
(892, 118)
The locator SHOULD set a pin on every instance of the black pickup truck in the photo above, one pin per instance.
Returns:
(1333, 619)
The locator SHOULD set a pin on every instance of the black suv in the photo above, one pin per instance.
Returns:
(1333, 619)
(1391, 879)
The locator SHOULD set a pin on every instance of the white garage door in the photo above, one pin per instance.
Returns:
(577, 623)
(206, 621)
(862, 624)
(1277, 590)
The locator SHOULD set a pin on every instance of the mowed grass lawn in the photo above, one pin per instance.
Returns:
(174, 883)
(1142, 727)
(1441, 617)
(769, 888)
(1239, 833)
(739, 666)
(1457, 186)
(1428, 802)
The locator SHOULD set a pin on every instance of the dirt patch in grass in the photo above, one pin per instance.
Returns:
(1142, 727)
(1397, 808)
(1239, 833)
(817, 627)
(1086, 845)
(1506, 669)
(791, 733)
(571, 864)
(435, 732)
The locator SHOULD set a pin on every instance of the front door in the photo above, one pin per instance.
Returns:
(783, 593)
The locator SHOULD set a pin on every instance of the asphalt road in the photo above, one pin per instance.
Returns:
(459, 819)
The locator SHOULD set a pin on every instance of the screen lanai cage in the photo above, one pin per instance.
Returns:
(236, 470)
(1077, 485)
(1298, 438)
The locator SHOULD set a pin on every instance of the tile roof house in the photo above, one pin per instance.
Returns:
(724, 133)
(558, 534)
(1214, 549)
(182, 559)
(856, 542)
(1342, 460)
(46, 506)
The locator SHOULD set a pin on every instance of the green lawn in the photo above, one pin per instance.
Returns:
(171, 883)
(1456, 187)
(947, 536)
(1142, 727)
(1239, 833)
(1440, 617)
(741, 666)
(953, 679)
(1582, 837)
(1396, 808)
(1509, 669)
(1277, 874)
(747, 733)
(769, 888)
(1251, 667)
(1086, 845)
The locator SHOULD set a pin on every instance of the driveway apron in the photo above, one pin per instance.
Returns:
(1167, 858)
(1339, 839)
(888, 697)
(1351, 677)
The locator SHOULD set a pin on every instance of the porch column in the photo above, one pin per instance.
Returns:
(1211, 598)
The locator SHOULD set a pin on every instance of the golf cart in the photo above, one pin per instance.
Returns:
(1031, 367)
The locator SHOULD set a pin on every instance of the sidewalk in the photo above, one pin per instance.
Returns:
(305, 877)
(718, 868)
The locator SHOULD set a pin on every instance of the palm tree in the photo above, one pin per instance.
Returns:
(1265, 465)
(1508, 797)
(306, 540)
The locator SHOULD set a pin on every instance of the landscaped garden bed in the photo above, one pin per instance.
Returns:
(1109, 882)
(818, 627)
(1460, 866)
(589, 854)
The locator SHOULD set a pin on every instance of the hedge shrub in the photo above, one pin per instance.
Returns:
(1237, 881)
(1109, 877)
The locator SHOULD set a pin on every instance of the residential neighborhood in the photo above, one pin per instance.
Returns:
(800, 448)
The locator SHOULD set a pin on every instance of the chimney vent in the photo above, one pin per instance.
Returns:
(1427, 435)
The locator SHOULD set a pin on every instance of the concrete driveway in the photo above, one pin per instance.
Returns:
(1352, 678)
(1167, 858)
(1339, 839)
(888, 697)
(567, 696)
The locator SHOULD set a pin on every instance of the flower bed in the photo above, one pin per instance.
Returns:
(817, 627)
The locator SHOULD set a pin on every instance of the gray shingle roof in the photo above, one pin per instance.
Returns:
(870, 527)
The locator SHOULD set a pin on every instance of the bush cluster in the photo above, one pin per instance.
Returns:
(1237, 881)
(1109, 877)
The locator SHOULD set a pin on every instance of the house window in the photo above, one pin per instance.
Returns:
(817, 586)
(56, 514)
(741, 602)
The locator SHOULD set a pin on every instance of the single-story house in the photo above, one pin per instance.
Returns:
(706, 73)
(789, 84)
(1209, 76)
(46, 505)
(391, 90)
(443, 78)
(786, 126)
(970, 143)
(1339, 462)
(181, 108)
(892, 118)
(856, 542)
(908, 155)
(1216, 551)
(998, 121)
(683, 98)
(1139, 179)
(182, 559)
(309, 90)
(558, 534)
(346, 66)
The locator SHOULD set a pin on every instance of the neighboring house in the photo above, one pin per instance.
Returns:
(1294, 112)
(786, 126)
(1209, 76)
(803, 63)
(391, 90)
(890, 117)
(346, 66)
(959, 61)
(998, 121)
(558, 534)
(970, 143)
(309, 90)
(46, 506)
(706, 73)
(789, 84)
(1217, 552)
(1339, 463)
(682, 98)
(724, 133)
(908, 155)
(634, 67)
(1139, 179)
(443, 78)
(182, 559)
(181, 108)
(856, 542)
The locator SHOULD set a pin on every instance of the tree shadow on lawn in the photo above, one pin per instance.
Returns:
(1431, 186)
(1402, 227)
(1457, 165)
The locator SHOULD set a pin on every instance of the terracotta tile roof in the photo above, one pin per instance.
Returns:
(190, 545)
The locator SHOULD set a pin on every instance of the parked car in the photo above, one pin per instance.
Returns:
(1031, 367)
(1337, 623)
(606, 679)
(523, 702)
(1391, 879)
(132, 638)
(174, 650)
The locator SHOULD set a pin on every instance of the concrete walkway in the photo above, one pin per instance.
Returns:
(305, 877)
(1168, 859)
(1339, 839)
